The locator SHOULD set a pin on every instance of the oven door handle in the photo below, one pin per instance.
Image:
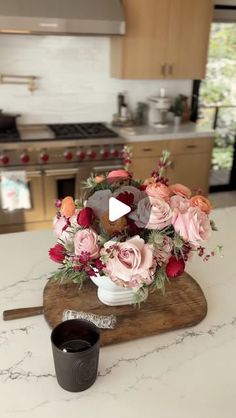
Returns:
(102, 168)
(61, 172)
(32, 174)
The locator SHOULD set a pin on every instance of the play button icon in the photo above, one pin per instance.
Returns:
(117, 209)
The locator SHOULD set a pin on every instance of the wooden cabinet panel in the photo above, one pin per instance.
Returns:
(189, 28)
(191, 170)
(148, 149)
(190, 160)
(141, 52)
(164, 39)
(143, 167)
(191, 145)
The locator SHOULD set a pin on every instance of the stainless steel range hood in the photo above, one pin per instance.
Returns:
(68, 17)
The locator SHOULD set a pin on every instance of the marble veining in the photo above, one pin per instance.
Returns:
(181, 374)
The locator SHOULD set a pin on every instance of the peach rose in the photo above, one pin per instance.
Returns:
(202, 202)
(117, 175)
(86, 241)
(193, 225)
(152, 213)
(130, 261)
(180, 190)
(149, 180)
(158, 190)
(67, 207)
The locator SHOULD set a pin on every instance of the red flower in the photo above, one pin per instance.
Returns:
(57, 253)
(126, 198)
(85, 217)
(175, 267)
(142, 187)
(84, 257)
(99, 264)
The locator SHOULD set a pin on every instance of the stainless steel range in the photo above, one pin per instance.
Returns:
(56, 158)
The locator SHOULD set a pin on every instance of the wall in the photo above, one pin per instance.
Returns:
(226, 2)
(74, 82)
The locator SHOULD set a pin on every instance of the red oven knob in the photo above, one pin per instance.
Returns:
(104, 153)
(68, 155)
(24, 158)
(81, 155)
(115, 152)
(4, 159)
(44, 157)
(92, 155)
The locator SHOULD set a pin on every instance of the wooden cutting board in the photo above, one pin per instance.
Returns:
(183, 305)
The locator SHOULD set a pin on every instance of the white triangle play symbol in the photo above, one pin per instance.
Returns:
(117, 209)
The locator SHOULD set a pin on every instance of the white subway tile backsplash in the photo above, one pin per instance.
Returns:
(74, 79)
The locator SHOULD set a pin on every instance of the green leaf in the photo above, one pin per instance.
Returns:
(160, 278)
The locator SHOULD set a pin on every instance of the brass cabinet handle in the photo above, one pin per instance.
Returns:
(61, 172)
(147, 149)
(170, 69)
(163, 70)
(191, 146)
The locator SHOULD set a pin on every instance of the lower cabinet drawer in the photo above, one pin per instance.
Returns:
(191, 145)
(148, 149)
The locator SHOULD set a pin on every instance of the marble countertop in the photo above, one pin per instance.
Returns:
(190, 373)
(125, 136)
(152, 133)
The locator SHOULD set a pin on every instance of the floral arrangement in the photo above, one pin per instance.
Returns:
(144, 248)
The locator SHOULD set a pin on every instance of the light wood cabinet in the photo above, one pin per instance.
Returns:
(164, 39)
(190, 160)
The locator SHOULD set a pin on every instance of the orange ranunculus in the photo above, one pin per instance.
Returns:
(99, 178)
(68, 207)
(149, 180)
(180, 190)
(158, 190)
(112, 227)
(202, 202)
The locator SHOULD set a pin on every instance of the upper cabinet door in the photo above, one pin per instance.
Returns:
(141, 53)
(189, 28)
(164, 39)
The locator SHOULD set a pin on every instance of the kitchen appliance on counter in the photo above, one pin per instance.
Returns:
(56, 158)
(159, 107)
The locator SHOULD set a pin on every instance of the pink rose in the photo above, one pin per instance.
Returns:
(158, 190)
(180, 190)
(86, 241)
(152, 213)
(59, 225)
(180, 203)
(117, 175)
(130, 261)
(99, 201)
(193, 225)
(163, 251)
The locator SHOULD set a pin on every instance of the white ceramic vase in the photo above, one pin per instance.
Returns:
(111, 294)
